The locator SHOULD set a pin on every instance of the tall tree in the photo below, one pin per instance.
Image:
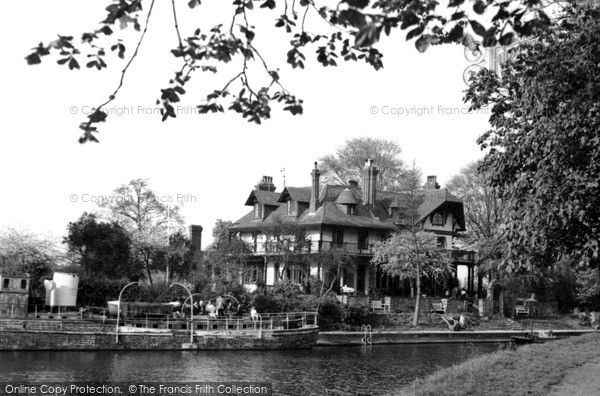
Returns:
(100, 248)
(355, 29)
(349, 160)
(484, 213)
(544, 147)
(26, 252)
(176, 258)
(149, 219)
(288, 245)
(483, 209)
(411, 253)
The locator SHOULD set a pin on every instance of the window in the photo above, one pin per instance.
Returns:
(441, 242)
(257, 210)
(5, 283)
(252, 275)
(363, 240)
(437, 219)
(337, 235)
(291, 208)
(23, 284)
(350, 209)
(277, 274)
(295, 275)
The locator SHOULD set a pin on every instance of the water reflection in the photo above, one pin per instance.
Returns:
(320, 371)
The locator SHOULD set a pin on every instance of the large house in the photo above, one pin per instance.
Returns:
(351, 218)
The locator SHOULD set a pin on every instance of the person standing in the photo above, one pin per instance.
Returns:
(220, 303)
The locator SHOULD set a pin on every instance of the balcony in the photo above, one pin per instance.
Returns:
(317, 246)
(457, 256)
(346, 247)
(462, 256)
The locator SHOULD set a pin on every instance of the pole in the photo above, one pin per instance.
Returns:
(119, 310)
(168, 232)
(191, 310)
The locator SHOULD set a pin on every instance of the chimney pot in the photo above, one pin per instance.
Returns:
(266, 184)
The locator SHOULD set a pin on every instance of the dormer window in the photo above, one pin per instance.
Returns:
(437, 219)
(291, 208)
(350, 209)
(257, 210)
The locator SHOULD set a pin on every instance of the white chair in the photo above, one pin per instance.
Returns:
(387, 304)
(376, 305)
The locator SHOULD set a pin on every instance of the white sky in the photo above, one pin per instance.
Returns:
(215, 160)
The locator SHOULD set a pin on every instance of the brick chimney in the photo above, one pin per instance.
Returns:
(369, 187)
(432, 183)
(266, 184)
(196, 241)
(314, 190)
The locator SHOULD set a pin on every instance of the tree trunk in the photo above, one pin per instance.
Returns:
(418, 299)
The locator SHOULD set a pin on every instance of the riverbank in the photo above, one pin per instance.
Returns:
(349, 338)
(537, 369)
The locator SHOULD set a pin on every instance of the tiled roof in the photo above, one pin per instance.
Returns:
(263, 197)
(299, 194)
(346, 198)
(328, 212)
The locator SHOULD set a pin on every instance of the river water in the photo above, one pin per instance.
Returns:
(377, 370)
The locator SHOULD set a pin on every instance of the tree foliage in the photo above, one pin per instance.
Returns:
(149, 218)
(349, 160)
(176, 257)
(544, 147)
(353, 29)
(411, 253)
(100, 248)
(24, 252)
(484, 213)
(226, 259)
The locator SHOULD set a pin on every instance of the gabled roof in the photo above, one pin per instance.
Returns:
(299, 194)
(442, 199)
(263, 197)
(329, 213)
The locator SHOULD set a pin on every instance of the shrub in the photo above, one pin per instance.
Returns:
(356, 316)
(331, 315)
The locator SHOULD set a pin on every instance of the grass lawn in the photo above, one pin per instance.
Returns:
(528, 370)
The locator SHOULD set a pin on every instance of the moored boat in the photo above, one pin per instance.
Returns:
(295, 330)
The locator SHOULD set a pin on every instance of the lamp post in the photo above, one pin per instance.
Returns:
(119, 310)
(191, 310)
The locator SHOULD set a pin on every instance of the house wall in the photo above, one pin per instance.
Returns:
(14, 296)
(446, 227)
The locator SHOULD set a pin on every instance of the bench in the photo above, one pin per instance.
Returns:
(440, 307)
(377, 305)
(521, 309)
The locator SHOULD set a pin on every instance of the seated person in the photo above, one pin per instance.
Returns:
(211, 310)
